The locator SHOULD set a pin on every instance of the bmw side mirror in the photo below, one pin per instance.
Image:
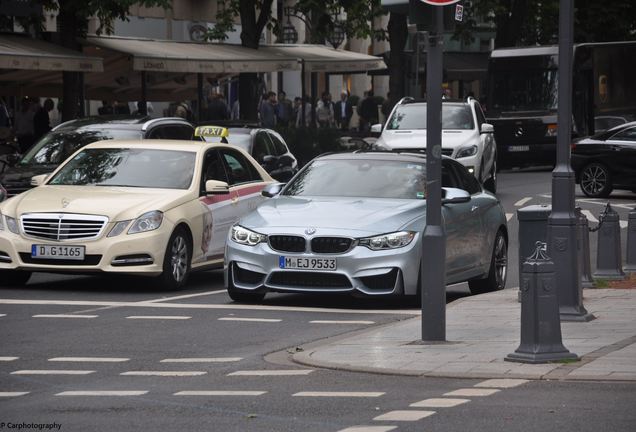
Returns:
(216, 187)
(487, 128)
(272, 189)
(454, 196)
(376, 128)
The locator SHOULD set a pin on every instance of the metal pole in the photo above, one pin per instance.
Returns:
(562, 222)
(199, 97)
(433, 266)
(303, 93)
(143, 107)
(416, 93)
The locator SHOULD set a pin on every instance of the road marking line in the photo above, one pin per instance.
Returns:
(203, 360)
(468, 392)
(588, 214)
(219, 393)
(523, 201)
(64, 316)
(165, 299)
(52, 372)
(339, 394)
(402, 415)
(340, 322)
(250, 319)
(369, 429)
(13, 394)
(290, 372)
(411, 312)
(439, 403)
(164, 373)
(89, 359)
(509, 216)
(7, 359)
(501, 383)
(103, 393)
(604, 203)
(158, 317)
(3, 315)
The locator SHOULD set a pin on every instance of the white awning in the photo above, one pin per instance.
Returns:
(192, 57)
(24, 53)
(320, 58)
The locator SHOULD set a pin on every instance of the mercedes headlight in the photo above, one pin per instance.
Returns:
(388, 241)
(118, 228)
(146, 222)
(467, 152)
(246, 237)
(1, 222)
(12, 224)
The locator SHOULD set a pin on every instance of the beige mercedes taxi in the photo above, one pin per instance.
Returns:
(153, 208)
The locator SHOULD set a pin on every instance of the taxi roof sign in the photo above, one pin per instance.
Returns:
(211, 131)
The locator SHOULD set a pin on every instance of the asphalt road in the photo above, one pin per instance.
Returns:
(97, 354)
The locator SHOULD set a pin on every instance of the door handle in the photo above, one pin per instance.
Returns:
(235, 200)
(473, 208)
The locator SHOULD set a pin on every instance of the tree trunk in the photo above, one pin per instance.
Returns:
(398, 33)
(70, 27)
(248, 96)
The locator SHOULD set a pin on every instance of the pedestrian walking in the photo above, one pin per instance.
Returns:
(343, 111)
(23, 126)
(268, 111)
(368, 112)
(324, 111)
(41, 120)
(217, 108)
(284, 110)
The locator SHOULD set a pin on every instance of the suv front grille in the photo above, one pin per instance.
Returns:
(331, 244)
(287, 243)
(63, 226)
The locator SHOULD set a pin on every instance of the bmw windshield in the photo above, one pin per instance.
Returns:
(144, 168)
(360, 178)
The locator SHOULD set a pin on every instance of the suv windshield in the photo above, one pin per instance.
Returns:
(413, 116)
(129, 168)
(360, 178)
(55, 147)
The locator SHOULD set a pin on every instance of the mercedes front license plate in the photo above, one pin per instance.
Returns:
(303, 263)
(58, 252)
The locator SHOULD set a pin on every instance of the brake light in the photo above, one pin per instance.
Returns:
(551, 130)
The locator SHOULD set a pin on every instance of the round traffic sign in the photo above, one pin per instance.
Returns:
(440, 2)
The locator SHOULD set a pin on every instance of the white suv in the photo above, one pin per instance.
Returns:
(465, 135)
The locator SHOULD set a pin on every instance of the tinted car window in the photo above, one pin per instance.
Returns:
(628, 134)
(55, 147)
(279, 147)
(213, 168)
(360, 178)
(465, 180)
(262, 147)
(410, 117)
(238, 168)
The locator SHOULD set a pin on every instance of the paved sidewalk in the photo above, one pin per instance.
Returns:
(481, 331)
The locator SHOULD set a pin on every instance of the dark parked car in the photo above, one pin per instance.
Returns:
(606, 161)
(266, 146)
(58, 144)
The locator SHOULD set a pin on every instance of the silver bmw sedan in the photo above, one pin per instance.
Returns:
(353, 223)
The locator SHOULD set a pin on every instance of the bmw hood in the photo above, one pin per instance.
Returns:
(116, 203)
(357, 216)
(416, 139)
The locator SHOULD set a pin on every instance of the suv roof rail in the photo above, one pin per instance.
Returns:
(405, 100)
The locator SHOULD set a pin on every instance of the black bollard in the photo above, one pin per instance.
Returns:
(540, 322)
(630, 265)
(587, 281)
(608, 252)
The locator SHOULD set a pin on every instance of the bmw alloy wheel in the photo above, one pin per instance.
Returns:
(595, 180)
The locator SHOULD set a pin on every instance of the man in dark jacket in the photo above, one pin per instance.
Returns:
(343, 111)
(41, 120)
(368, 112)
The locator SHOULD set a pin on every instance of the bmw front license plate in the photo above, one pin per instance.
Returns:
(520, 148)
(302, 263)
(58, 252)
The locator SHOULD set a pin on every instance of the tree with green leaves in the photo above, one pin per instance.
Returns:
(73, 17)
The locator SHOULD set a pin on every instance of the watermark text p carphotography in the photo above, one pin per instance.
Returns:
(30, 426)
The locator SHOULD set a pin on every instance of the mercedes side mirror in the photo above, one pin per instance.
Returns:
(487, 128)
(376, 128)
(216, 187)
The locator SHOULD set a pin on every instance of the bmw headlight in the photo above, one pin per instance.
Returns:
(246, 237)
(146, 222)
(388, 241)
(467, 152)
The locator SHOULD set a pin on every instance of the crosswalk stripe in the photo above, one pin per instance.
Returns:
(52, 372)
(203, 360)
(164, 373)
(338, 394)
(468, 392)
(340, 322)
(64, 316)
(89, 359)
(501, 383)
(158, 317)
(181, 297)
(439, 403)
(290, 372)
(368, 429)
(220, 393)
(8, 359)
(522, 201)
(13, 394)
(103, 393)
(3, 315)
(250, 319)
(404, 415)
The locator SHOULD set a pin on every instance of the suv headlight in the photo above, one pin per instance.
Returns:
(146, 222)
(388, 241)
(246, 237)
(467, 152)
